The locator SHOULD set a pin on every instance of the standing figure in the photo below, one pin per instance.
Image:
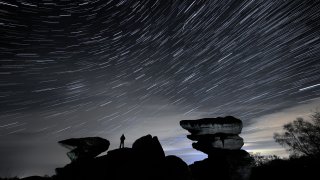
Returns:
(122, 138)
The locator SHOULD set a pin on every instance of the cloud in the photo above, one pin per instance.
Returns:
(259, 135)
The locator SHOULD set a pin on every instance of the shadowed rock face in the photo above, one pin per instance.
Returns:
(84, 148)
(223, 165)
(176, 168)
(149, 146)
(208, 144)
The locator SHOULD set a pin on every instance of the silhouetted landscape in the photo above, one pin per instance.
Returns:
(159, 89)
(217, 137)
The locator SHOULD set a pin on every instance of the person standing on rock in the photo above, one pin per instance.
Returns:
(122, 138)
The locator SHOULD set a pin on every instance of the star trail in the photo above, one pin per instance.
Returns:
(107, 67)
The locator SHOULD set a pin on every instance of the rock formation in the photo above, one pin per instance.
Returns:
(214, 133)
(144, 161)
(219, 138)
(149, 146)
(84, 148)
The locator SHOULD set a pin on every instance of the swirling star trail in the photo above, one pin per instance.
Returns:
(107, 67)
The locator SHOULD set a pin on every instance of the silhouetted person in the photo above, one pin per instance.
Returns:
(122, 138)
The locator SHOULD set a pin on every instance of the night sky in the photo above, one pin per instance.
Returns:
(107, 67)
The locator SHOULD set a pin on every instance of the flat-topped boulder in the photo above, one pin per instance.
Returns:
(205, 126)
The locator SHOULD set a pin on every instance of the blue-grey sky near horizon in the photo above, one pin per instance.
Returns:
(107, 67)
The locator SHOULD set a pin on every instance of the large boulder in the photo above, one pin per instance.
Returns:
(149, 146)
(85, 148)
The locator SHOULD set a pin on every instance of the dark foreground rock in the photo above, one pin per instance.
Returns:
(144, 161)
(149, 147)
(217, 137)
(224, 165)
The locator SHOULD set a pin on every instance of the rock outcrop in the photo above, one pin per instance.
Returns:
(149, 146)
(144, 161)
(85, 148)
(219, 138)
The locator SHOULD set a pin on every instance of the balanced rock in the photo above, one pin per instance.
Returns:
(84, 148)
(214, 133)
(219, 138)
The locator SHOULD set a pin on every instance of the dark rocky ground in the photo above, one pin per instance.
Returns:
(146, 160)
